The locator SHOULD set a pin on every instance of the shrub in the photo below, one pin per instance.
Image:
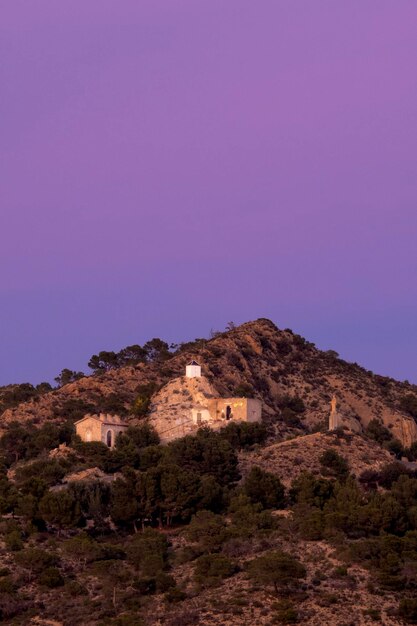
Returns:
(175, 595)
(35, 560)
(51, 577)
(390, 473)
(208, 529)
(81, 549)
(408, 610)
(242, 435)
(285, 612)
(334, 464)
(244, 390)
(147, 551)
(7, 585)
(378, 432)
(408, 403)
(13, 541)
(142, 402)
(211, 569)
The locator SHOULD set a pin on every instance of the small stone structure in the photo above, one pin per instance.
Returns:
(185, 404)
(335, 420)
(104, 428)
(193, 370)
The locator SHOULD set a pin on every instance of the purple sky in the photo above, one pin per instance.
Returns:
(168, 166)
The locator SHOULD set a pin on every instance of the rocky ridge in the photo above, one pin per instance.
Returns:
(277, 364)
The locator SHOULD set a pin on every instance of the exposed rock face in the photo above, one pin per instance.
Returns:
(275, 363)
(171, 410)
(405, 430)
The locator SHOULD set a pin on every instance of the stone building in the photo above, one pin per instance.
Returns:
(186, 403)
(104, 428)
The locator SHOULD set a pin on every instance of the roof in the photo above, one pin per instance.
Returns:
(114, 420)
(193, 363)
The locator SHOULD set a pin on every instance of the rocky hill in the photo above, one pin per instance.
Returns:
(239, 526)
(294, 380)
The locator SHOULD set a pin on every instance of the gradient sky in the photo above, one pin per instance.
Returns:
(168, 166)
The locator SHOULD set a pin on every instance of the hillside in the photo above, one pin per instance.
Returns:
(267, 523)
(277, 364)
(288, 459)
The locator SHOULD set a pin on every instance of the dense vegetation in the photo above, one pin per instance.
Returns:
(124, 530)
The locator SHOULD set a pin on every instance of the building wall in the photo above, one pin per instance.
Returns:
(89, 426)
(254, 410)
(243, 409)
(115, 428)
(193, 371)
(92, 429)
(205, 415)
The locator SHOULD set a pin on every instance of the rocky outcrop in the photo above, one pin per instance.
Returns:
(275, 364)
(171, 409)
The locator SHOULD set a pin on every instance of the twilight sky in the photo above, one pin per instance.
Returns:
(167, 166)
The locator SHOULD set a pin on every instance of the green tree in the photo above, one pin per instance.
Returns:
(265, 488)
(278, 568)
(148, 551)
(131, 355)
(208, 530)
(68, 376)
(206, 453)
(103, 361)
(307, 489)
(81, 549)
(125, 509)
(60, 509)
(211, 569)
(157, 350)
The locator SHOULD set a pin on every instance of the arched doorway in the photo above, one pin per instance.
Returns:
(109, 438)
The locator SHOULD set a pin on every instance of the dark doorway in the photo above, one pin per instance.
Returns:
(109, 438)
(228, 412)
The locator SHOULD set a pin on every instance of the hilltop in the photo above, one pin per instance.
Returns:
(276, 366)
